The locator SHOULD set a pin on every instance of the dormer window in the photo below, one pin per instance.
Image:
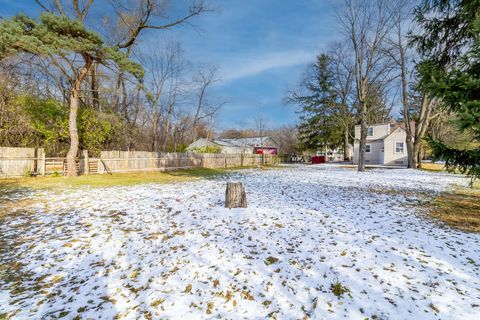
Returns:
(370, 132)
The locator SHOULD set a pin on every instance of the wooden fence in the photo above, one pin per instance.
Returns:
(21, 161)
(34, 162)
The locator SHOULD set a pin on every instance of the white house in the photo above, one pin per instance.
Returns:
(253, 145)
(386, 145)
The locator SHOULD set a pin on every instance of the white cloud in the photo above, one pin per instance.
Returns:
(242, 68)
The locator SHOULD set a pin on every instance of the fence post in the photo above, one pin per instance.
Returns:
(41, 161)
(127, 154)
(101, 164)
(85, 161)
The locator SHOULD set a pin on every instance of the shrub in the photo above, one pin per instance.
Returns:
(207, 149)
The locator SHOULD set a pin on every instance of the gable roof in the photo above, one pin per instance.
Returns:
(393, 131)
(202, 142)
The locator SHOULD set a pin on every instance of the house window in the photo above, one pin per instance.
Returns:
(398, 147)
(368, 148)
(370, 132)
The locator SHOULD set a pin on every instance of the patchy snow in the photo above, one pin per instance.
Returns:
(172, 251)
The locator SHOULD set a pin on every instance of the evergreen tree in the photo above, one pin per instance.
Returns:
(318, 126)
(450, 44)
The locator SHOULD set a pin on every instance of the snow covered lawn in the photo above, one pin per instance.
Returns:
(172, 251)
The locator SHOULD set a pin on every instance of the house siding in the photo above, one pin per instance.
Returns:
(392, 158)
(372, 157)
(380, 131)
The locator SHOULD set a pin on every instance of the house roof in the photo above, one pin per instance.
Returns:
(202, 142)
(375, 124)
(396, 129)
(236, 143)
(243, 142)
(374, 140)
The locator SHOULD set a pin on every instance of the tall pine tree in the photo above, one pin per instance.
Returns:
(319, 126)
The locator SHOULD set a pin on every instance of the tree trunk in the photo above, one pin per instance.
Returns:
(194, 131)
(235, 196)
(421, 153)
(410, 154)
(72, 120)
(124, 101)
(155, 129)
(72, 126)
(116, 98)
(94, 87)
(416, 153)
(363, 138)
(346, 153)
(166, 129)
(261, 144)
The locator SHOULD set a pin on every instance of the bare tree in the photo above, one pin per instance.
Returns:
(204, 79)
(181, 124)
(261, 128)
(343, 85)
(366, 25)
(417, 110)
(163, 66)
(170, 104)
(287, 139)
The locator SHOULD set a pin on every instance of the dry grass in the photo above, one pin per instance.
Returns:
(115, 179)
(108, 180)
(428, 166)
(459, 209)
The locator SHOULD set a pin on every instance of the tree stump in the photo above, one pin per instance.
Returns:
(235, 196)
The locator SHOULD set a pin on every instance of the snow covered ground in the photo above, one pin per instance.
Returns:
(173, 252)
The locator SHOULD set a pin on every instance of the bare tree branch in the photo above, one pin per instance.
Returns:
(144, 15)
(42, 5)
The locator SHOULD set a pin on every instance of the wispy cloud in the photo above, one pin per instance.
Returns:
(253, 65)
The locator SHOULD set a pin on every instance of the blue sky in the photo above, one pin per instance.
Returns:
(261, 48)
